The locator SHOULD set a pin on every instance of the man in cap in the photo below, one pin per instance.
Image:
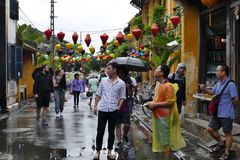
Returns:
(179, 77)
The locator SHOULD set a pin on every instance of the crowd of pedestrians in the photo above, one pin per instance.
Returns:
(114, 93)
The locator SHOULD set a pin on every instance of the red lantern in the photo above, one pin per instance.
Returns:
(88, 39)
(75, 37)
(48, 33)
(104, 38)
(120, 37)
(175, 20)
(209, 3)
(60, 36)
(137, 33)
(154, 29)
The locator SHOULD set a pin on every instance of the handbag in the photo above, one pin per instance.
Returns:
(213, 105)
(89, 94)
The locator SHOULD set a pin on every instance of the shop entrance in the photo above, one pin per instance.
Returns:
(235, 48)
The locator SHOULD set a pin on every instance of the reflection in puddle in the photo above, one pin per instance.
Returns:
(26, 151)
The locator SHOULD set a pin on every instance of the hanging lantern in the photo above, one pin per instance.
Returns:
(115, 43)
(104, 38)
(48, 33)
(154, 29)
(92, 49)
(58, 47)
(175, 20)
(79, 48)
(112, 55)
(68, 46)
(88, 40)
(209, 4)
(120, 37)
(129, 37)
(137, 33)
(56, 59)
(61, 36)
(75, 37)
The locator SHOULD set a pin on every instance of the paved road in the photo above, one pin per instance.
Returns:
(71, 137)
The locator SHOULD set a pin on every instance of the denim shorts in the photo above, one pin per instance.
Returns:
(217, 122)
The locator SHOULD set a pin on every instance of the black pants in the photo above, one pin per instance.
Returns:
(103, 118)
(179, 105)
(76, 97)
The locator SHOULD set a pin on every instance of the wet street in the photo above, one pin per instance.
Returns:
(71, 137)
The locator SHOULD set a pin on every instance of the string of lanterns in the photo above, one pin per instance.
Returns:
(79, 55)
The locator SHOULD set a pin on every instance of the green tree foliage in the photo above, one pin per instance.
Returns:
(27, 34)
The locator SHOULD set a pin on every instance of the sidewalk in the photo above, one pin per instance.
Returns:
(142, 137)
(21, 105)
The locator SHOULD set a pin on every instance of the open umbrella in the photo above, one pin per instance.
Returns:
(131, 64)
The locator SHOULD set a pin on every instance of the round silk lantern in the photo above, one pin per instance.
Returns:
(68, 46)
(129, 37)
(115, 43)
(120, 37)
(175, 20)
(154, 29)
(79, 48)
(61, 36)
(58, 47)
(104, 38)
(48, 33)
(137, 33)
(92, 49)
(209, 4)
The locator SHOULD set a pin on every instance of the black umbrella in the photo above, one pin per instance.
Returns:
(131, 64)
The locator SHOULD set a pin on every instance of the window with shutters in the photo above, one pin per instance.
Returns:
(14, 15)
(15, 62)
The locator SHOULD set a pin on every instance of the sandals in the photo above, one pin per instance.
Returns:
(225, 156)
(111, 157)
(218, 148)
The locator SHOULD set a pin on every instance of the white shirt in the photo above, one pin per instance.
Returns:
(110, 93)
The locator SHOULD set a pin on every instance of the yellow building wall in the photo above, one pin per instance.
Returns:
(27, 80)
(190, 54)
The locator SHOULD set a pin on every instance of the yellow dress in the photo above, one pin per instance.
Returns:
(165, 121)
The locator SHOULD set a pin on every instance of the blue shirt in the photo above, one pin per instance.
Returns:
(226, 107)
(110, 93)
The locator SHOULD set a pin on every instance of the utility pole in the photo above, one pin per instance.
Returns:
(52, 16)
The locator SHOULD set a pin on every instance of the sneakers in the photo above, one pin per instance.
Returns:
(58, 115)
(61, 114)
(74, 106)
(44, 122)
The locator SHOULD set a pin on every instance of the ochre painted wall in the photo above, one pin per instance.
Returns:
(190, 53)
(28, 68)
